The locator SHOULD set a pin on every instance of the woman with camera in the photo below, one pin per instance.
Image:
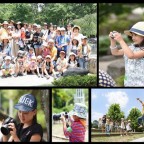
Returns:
(28, 130)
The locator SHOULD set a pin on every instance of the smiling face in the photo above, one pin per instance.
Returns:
(137, 39)
(26, 117)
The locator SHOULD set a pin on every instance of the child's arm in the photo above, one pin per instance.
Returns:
(127, 51)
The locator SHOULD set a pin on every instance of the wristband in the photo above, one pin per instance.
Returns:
(113, 47)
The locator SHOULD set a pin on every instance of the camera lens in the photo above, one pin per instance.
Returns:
(5, 130)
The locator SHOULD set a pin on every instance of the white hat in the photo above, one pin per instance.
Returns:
(80, 110)
(39, 57)
(84, 37)
(9, 27)
(48, 56)
(138, 29)
(62, 29)
(33, 57)
(72, 54)
(7, 58)
(51, 40)
(5, 22)
(34, 24)
(76, 26)
(45, 44)
(18, 22)
(38, 26)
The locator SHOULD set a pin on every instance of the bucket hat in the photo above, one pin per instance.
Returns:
(5, 22)
(79, 110)
(137, 28)
(26, 103)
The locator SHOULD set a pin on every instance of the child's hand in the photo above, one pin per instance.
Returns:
(118, 37)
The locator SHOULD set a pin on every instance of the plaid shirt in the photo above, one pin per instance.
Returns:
(77, 134)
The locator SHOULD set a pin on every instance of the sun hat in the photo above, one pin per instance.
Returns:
(63, 52)
(5, 22)
(33, 57)
(79, 110)
(7, 58)
(48, 56)
(45, 23)
(9, 27)
(137, 28)
(45, 44)
(39, 57)
(51, 40)
(62, 29)
(38, 26)
(26, 103)
(84, 37)
(72, 54)
(76, 26)
(18, 22)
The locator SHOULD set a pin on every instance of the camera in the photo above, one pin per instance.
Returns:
(66, 115)
(4, 128)
(113, 34)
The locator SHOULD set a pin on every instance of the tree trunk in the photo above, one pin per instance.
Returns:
(46, 106)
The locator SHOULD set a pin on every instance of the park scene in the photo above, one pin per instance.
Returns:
(12, 104)
(120, 51)
(64, 103)
(48, 44)
(117, 115)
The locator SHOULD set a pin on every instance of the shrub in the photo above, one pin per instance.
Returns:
(76, 80)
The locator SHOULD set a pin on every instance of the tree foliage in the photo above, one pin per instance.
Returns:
(133, 116)
(115, 113)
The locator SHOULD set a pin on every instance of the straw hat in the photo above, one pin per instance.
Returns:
(5, 22)
(79, 110)
(138, 29)
(76, 26)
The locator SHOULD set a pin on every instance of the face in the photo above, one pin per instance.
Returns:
(18, 26)
(137, 39)
(48, 59)
(75, 117)
(84, 41)
(5, 40)
(68, 27)
(62, 55)
(74, 41)
(76, 30)
(5, 25)
(72, 57)
(62, 32)
(7, 61)
(51, 28)
(26, 117)
(51, 44)
(30, 51)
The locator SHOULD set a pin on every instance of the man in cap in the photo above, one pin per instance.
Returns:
(84, 53)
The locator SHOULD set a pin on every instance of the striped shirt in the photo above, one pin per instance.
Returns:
(77, 134)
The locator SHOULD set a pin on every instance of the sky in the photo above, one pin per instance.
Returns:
(103, 98)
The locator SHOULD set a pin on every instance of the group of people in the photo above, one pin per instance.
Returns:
(43, 50)
(107, 125)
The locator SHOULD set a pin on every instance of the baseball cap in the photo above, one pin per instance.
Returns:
(26, 103)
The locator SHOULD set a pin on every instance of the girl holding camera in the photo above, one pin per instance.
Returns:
(133, 54)
(28, 130)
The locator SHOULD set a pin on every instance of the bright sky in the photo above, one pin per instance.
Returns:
(103, 98)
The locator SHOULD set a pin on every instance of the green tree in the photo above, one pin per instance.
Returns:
(133, 116)
(115, 113)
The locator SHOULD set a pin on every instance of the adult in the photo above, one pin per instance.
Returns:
(103, 122)
(3, 30)
(53, 51)
(51, 33)
(69, 30)
(84, 53)
(45, 32)
(76, 33)
(38, 35)
(62, 42)
(141, 118)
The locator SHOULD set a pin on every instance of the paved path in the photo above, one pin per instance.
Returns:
(29, 80)
(138, 140)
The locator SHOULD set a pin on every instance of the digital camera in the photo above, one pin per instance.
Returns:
(4, 128)
(113, 34)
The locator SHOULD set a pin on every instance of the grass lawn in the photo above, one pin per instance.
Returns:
(117, 138)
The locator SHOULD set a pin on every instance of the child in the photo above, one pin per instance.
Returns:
(107, 126)
(40, 64)
(28, 130)
(45, 50)
(48, 66)
(7, 67)
(133, 54)
(61, 63)
(76, 131)
(74, 45)
(72, 63)
(122, 126)
(19, 66)
(32, 66)
(128, 127)
(30, 53)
